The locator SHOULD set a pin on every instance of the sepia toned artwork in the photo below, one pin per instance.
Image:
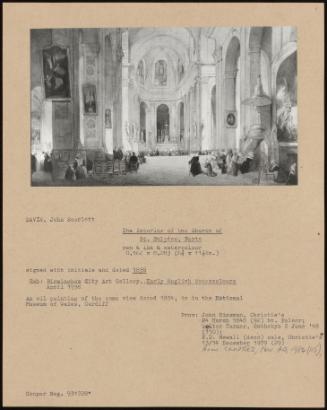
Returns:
(163, 207)
(176, 94)
(56, 72)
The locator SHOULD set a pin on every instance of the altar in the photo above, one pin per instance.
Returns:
(167, 147)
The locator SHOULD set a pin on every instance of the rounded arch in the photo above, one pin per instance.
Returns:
(285, 52)
(260, 49)
(233, 52)
(143, 47)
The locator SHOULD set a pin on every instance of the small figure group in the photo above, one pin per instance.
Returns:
(221, 162)
(76, 171)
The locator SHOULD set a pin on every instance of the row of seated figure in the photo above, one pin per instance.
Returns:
(116, 163)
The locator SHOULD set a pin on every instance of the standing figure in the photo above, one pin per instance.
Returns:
(33, 163)
(119, 157)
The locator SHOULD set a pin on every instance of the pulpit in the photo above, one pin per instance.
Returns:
(261, 103)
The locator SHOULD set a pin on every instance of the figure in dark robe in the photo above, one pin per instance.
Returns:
(118, 156)
(195, 168)
(292, 173)
(33, 163)
(133, 162)
(245, 166)
(89, 165)
(69, 174)
(47, 165)
(235, 165)
(80, 172)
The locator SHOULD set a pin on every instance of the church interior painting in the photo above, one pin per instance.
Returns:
(164, 106)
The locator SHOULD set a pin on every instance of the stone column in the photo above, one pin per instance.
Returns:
(191, 119)
(75, 90)
(125, 86)
(245, 110)
(91, 123)
(277, 38)
(177, 121)
(172, 124)
(218, 143)
(147, 125)
(230, 83)
(153, 127)
(189, 122)
(46, 126)
(255, 70)
(205, 123)
(80, 81)
(185, 143)
(65, 114)
(198, 128)
(254, 54)
(185, 117)
(107, 91)
(101, 90)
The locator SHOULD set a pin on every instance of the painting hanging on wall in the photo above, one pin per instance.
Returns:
(230, 119)
(160, 75)
(56, 73)
(286, 100)
(89, 99)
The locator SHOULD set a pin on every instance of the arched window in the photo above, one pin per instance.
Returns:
(160, 73)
